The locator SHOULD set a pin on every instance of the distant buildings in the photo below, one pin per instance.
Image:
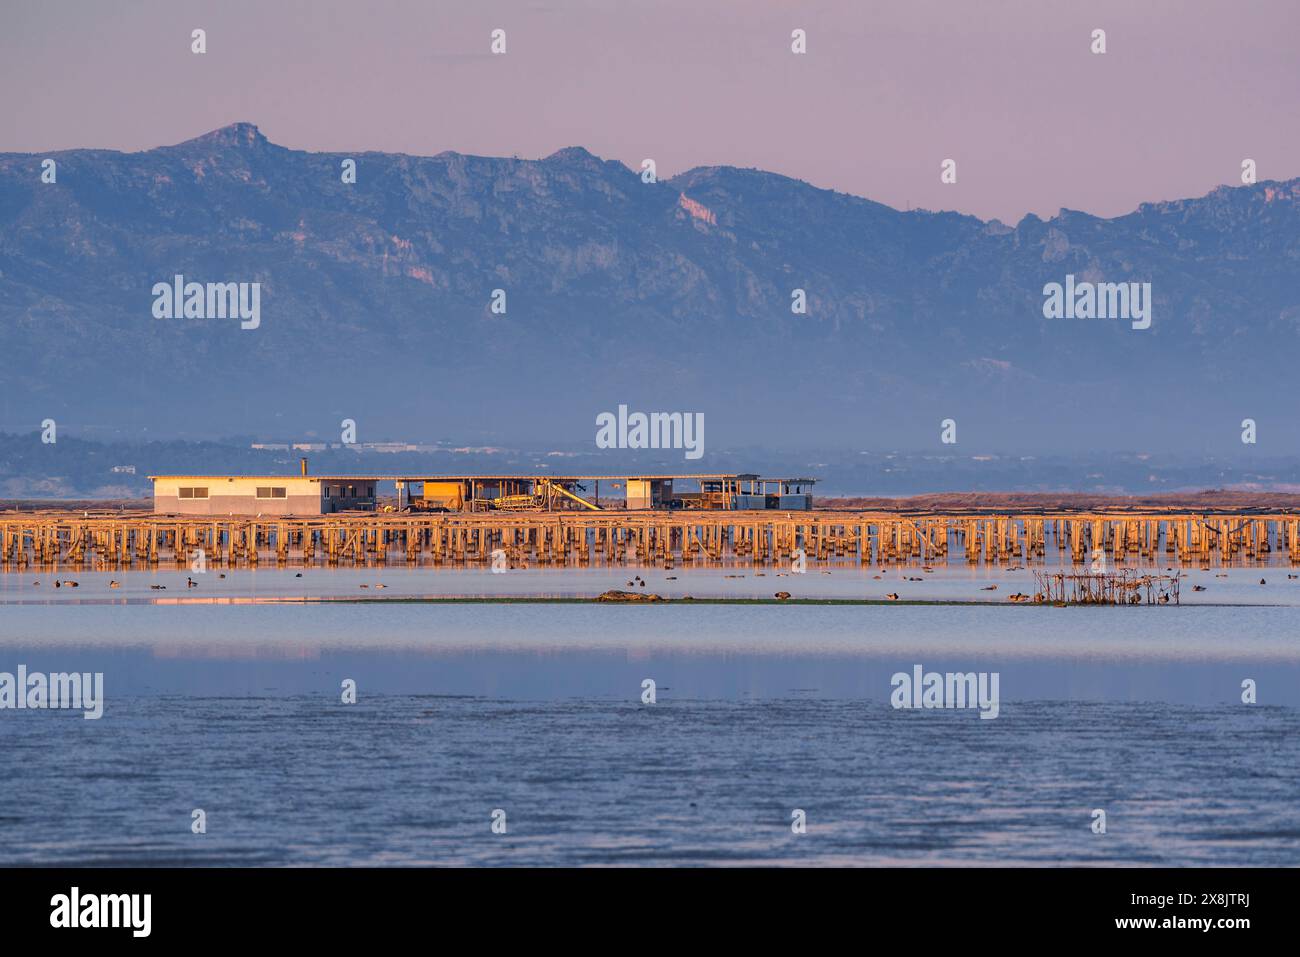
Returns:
(353, 446)
(266, 495)
(304, 494)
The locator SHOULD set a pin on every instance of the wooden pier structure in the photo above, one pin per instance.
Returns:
(644, 537)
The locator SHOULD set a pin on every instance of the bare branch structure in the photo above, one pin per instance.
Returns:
(1122, 587)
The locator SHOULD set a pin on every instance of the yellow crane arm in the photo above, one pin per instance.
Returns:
(581, 501)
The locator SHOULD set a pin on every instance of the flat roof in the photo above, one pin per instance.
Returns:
(532, 476)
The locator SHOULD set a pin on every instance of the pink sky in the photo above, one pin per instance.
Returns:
(1008, 88)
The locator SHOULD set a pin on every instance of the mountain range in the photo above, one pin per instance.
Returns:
(377, 305)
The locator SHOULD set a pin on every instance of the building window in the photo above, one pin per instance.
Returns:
(271, 491)
(191, 492)
(327, 490)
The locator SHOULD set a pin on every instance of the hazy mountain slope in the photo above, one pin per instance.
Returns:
(668, 296)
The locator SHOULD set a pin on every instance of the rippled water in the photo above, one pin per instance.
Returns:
(761, 710)
(414, 780)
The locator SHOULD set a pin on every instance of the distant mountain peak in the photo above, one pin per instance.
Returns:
(232, 135)
(571, 154)
(577, 157)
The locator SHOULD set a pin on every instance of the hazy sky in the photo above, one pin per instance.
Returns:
(887, 90)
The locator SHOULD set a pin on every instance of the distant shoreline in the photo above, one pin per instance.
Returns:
(580, 600)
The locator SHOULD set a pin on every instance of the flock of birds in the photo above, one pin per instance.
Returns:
(639, 582)
(1015, 597)
(189, 583)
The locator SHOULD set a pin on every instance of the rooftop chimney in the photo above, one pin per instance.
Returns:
(303, 462)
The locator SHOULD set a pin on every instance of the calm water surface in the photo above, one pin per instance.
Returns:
(536, 710)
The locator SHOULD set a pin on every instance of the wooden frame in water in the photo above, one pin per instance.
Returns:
(1123, 587)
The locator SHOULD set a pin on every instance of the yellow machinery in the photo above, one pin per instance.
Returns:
(448, 495)
(541, 498)
(515, 503)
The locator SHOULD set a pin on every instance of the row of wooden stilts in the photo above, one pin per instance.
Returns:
(648, 538)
